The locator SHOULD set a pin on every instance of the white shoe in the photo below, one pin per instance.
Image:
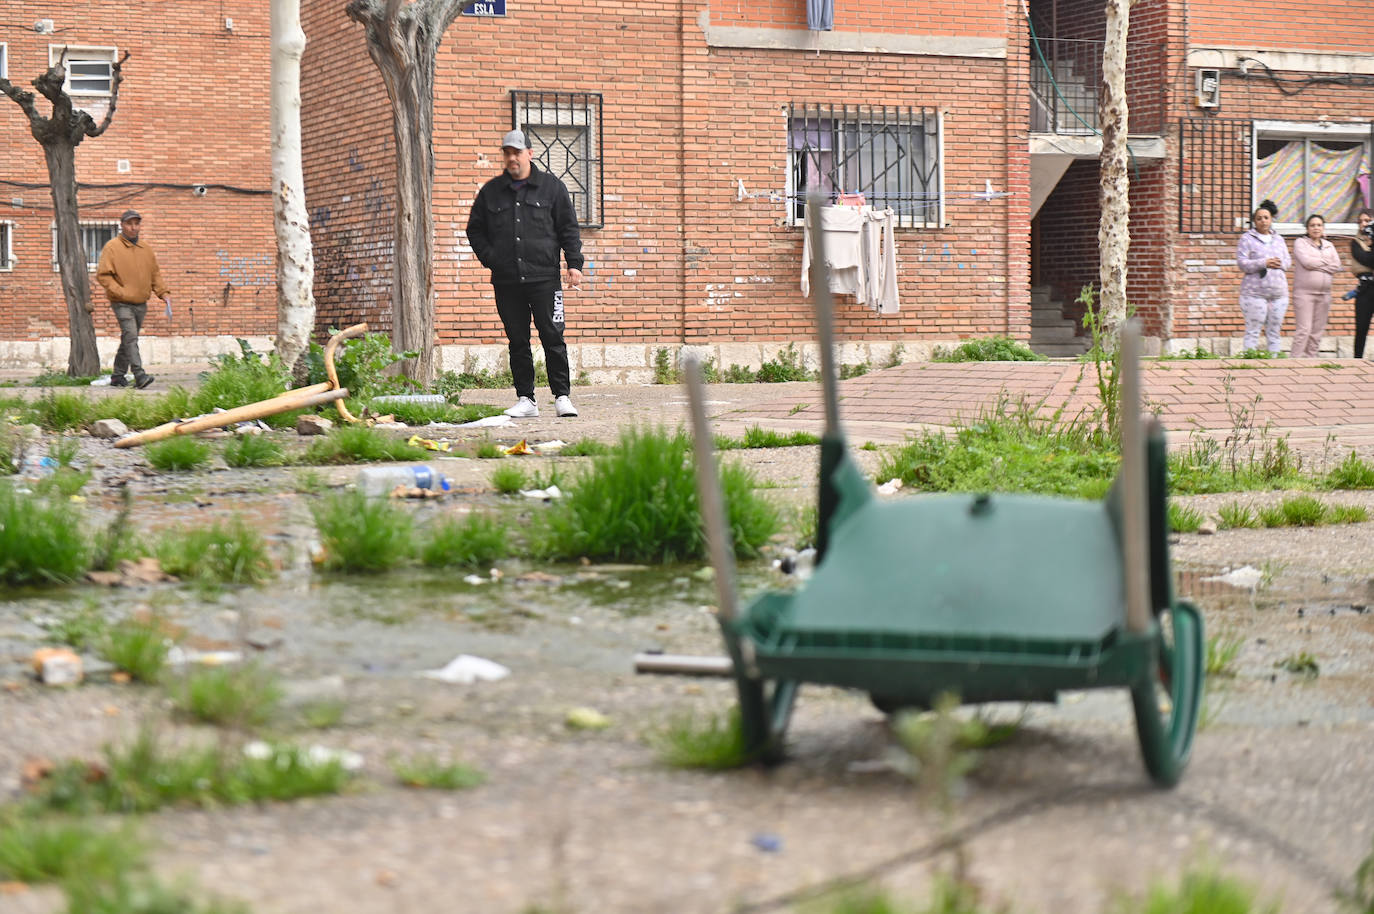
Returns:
(524, 408)
(564, 407)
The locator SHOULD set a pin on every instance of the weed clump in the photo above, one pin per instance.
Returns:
(138, 647)
(715, 743)
(363, 534)
(639, 503)
(223, 553)
(178, 453)
(991, 349)
(254, 451)
(1351, 473)
(758, 437)
(428, 772)
(474, 541)
(1184, 519)
(241, 696)
(509, 479)
(243, 379)
(358, 443)
(40, 851)
(41, 541)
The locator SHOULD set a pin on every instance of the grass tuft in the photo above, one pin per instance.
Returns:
(1222, 651)
(1236, 516)
(1301, 663)
(241, 696)
(992, 349)
(1197, 893)
(178, 453)
(639, 503)
(1350, 473)
(138, 647)
(756, 437)
(509, 478)
(254, 451)
(41, 540)
(473, 541)
(1184, 519)
(223, 553)
(53, 850)
(428, 772)
(715, 743)
(363, 534)
(359, 443)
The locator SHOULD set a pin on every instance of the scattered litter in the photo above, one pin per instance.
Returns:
(1247, 577)
(801, 564)
(705, 573)
(130, 573)
(518, 449)
(474, 579)
(57, 666)
(466, 669)
(500, 421)
(103, 381)
(586, 719)
(429, 444)
(891, 487)
(182, 656)
(417, 399)
(548, 494)
(554, 445)
(767, 842)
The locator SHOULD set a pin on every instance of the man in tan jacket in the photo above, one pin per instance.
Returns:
(128, 272)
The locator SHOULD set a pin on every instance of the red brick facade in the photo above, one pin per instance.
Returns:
(192, 110)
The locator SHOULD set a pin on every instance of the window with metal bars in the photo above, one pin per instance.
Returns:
(564, 132)
(94, 235)
(6, 245)
(1227, 166)
(888, 155)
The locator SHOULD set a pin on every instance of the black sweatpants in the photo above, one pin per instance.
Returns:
(1364, 310)
(542, 301)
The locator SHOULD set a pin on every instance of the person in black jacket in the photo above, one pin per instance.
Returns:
(1362, 249)
(520, 222)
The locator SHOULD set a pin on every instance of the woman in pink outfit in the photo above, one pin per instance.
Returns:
(1315, 261)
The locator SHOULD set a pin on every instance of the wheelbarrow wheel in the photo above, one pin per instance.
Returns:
(1166, 741)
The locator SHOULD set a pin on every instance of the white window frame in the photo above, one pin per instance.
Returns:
(84, 225)
(88, 55)
(1300, 130)
(6, 246)
(4, 60)
(905, 217)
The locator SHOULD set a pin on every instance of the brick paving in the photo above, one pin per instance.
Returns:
(1307, 399)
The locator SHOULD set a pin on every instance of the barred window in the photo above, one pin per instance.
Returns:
(1227, 167)
(890, 155)
(6, 245)
(564, 131)
(94, 235)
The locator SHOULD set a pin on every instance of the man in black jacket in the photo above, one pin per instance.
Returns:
(520, 222)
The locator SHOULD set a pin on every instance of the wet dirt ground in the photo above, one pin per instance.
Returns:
(1060, 819)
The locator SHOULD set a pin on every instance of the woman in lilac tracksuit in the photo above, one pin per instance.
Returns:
(1263, 257)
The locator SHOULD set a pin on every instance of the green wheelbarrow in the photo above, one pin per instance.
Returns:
(988, 597)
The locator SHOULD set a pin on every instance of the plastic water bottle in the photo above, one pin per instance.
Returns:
(384, 480)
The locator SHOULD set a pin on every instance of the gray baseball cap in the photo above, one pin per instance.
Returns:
(129, 214)
(514, 140)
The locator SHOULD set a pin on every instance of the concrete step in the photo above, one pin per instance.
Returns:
(1059, 350)
(1061, 334)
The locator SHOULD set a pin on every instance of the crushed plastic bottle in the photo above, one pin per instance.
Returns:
(373, 481)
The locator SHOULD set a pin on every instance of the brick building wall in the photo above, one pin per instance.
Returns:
(192, 110)
(687, 116)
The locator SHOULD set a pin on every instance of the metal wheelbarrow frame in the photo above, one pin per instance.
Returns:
(989, 597)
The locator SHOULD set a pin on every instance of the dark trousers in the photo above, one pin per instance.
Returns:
(130, 319)
(517, 303)
(1364, 309)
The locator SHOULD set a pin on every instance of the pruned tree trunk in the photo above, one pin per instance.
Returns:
(1114, 234)
(59, 136)
(295, 255)
(403, 39)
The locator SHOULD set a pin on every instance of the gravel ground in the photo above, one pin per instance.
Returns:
(1060, 819)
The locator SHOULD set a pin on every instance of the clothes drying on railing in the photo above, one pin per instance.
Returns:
(861, 252)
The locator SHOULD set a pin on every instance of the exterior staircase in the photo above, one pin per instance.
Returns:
(1052, 334)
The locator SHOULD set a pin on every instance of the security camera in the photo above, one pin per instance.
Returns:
(198, 190)
(43, 26)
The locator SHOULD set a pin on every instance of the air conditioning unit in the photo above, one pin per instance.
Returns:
(1208, 88)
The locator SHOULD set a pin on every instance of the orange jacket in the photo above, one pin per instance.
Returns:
(128, 272)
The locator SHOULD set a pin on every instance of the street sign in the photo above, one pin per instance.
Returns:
(485, 8)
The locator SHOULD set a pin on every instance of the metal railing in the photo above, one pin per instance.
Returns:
(1066, 83)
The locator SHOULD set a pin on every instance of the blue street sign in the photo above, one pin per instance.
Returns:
(485, 8)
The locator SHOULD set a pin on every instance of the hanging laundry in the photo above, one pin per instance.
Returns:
(840, 228)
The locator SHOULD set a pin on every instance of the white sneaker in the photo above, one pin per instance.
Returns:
(564, 407)
(524, 408)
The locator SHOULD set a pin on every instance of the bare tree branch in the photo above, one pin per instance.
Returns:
(117, 78)
(24, 99)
